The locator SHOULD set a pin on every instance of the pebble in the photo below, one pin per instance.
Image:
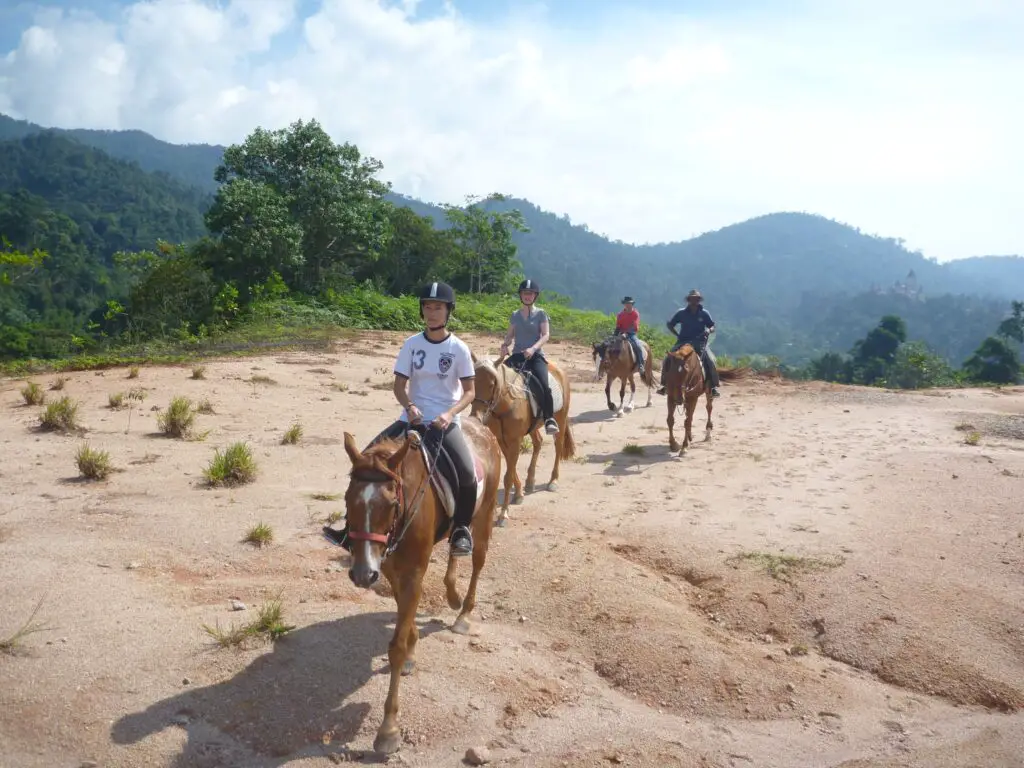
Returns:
(186, 681)
(790, 687)
(133, 566)
(478, 755)
(237, 605)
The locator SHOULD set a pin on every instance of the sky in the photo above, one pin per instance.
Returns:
(650, 121)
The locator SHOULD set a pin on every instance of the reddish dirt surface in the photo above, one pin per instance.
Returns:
(835, 579)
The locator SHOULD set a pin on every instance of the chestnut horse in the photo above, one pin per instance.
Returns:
(502, 404)
(618, 361)
(394, 518)
(684, 384)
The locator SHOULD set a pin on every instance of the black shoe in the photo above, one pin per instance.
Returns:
(715, 392)
(339, 538)
(661, 390)
(551, 427)
(461, 542)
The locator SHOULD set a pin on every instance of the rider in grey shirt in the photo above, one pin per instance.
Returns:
(529, 327)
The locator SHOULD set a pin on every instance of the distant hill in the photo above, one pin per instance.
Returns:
(788, 284)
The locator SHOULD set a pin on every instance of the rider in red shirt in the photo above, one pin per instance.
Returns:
(628, 322)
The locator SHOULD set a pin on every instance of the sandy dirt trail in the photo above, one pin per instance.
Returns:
(835, 579)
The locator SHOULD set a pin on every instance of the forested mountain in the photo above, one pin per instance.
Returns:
(786, 284)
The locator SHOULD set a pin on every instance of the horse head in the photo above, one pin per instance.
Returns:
(374, 503)
(489, 386)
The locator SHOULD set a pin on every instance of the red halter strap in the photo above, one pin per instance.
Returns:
(385, 538)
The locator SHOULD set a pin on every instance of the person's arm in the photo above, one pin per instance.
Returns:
(636, 321)
(672, 323)
(708, 322)
(506, 343)
(403, 372)
(545, 334)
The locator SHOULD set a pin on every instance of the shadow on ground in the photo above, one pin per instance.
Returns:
(280, 707)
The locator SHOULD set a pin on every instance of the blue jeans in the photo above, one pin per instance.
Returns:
(638, 351)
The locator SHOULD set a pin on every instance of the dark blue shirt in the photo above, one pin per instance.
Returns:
(691, 324)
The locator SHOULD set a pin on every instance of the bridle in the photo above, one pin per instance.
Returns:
(499, 392)
(402, 512)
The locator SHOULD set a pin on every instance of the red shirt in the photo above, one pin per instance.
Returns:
(628, 320)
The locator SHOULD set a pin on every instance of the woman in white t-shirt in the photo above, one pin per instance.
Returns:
(434, 383)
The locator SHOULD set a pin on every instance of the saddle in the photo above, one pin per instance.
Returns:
(533, 393)
(603, 348)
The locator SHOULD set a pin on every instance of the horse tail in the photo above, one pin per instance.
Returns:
(733, 374)
(568, 442)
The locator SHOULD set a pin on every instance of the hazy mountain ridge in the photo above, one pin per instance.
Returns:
(771, 280)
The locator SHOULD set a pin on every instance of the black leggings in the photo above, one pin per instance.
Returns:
(538, 366)
(454, 441)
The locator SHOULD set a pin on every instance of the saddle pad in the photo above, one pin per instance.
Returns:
(443, 485)
(556, 395)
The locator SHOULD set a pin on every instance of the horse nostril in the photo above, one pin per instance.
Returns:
(374, 576)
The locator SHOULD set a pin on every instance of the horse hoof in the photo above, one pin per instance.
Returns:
(461, 626)
(629, 409)
(553, 485)
(530, 488)
(501, 522)
(388, 743)
(408, 667)
(611, 407)
(673, 447)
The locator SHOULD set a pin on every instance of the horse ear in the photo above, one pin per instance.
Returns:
(396, 458)
(350, 448)
(473, 357)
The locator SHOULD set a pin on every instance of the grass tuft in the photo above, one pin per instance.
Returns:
(293, 435)
(179, 418)
(15, 643)
(235, 466)
(260, 535)
(268, 624)
(198, 372)
(33, 394)
(93, 464)
(60, 416)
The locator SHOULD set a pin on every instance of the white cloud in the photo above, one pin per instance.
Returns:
(900, 118)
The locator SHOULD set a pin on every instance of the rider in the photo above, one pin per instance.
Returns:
(434, 382)
(627, 322)
(530, 328)
(695, 325)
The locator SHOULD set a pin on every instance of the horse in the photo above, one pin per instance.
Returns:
(511, 413)
(684, 384)
(616, 358)
(396, 511)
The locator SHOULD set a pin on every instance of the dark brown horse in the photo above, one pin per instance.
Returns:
(395, 517)
(616, 358)
(684, 384)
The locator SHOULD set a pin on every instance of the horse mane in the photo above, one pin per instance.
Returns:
(373, 465)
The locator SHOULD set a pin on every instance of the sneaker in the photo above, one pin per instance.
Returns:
(661, 390)
(551, 427)
(338, 538)
(462, 542)
(715, 392)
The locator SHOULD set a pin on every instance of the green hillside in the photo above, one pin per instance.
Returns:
(791, 285)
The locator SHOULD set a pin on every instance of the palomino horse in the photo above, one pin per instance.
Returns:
(395, 516)
(684, 384)
(618, 361)
(503, 404)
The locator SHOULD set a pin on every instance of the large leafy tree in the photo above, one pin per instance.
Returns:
(485, 261)
(292, 201)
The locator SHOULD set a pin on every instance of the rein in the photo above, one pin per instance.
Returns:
(499, 392)
(393, 538)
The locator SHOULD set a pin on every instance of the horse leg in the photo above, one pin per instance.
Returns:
(608, 391)
(691, 406)
(531, 473)
(632, 394)
(389, 738)
(511, 456)
(462, 625)
(622, 396)
(709, 426)
(672, 444)
(559, 448)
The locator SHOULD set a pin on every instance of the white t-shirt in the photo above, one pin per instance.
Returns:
(434, 370)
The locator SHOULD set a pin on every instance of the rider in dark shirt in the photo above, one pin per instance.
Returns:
(695, 325)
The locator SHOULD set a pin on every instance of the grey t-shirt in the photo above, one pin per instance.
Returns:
(527, 329)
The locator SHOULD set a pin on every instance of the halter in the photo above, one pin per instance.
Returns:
(499, 392)
(394, 536)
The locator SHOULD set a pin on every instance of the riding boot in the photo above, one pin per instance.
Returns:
(664, 372)
(548, 409)
(712, 370)
(461, 539)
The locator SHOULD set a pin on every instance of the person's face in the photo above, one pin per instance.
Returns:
(435, 313)
(628, 306)
(528, 297)
(692, 302)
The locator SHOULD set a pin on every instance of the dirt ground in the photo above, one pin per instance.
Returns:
(835, 579)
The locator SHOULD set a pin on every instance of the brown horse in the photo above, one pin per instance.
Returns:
(503, 405)
(616, 358)
(684, 384)
(395, 516)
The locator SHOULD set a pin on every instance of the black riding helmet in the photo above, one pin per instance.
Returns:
(529, 285)
(438, 292)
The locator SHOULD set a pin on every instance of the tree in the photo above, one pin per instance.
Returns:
(317, 205)
(485, 261)
(14, 264)
(995, 362)
(1012, 328)
(415, 252)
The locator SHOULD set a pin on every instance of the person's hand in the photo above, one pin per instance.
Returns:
(504, 350)
(528, 353)
(442, 421)
(415, 414)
